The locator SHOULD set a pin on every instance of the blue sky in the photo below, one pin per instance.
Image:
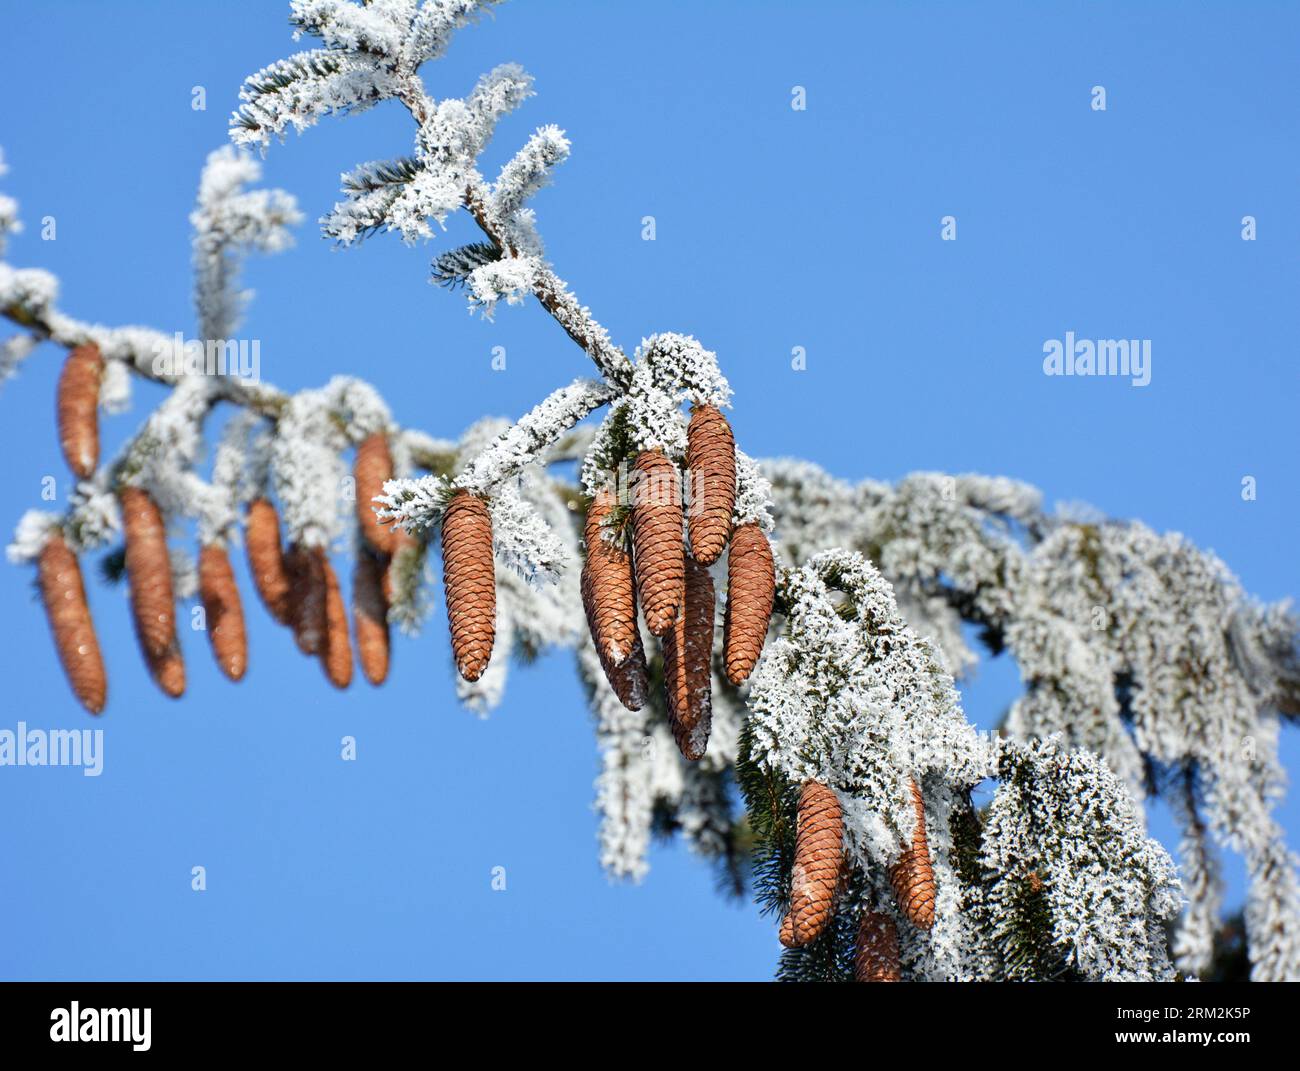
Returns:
(776, 228)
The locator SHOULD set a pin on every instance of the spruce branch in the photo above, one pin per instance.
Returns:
(855, 690)
(453, 269)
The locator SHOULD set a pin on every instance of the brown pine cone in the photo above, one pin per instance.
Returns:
(372, 466)
(818, 854)
(751, 585)
(786, 934)
(223, 610)
(711, 462)
(149, 571)
(875, 954)
(913, 875)
(308, 596)
(336, 654)
(370, 616)
(78, 409)
(657, 540)
(469, 572)
(266, 560)
(688, 664)
(608, 590)
(609, 599)
(64, 596)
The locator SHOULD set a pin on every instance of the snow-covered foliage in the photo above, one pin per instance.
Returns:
(27, 288)
(33, 530)
(670, 370)
(227, 221)
(1063, 834)
(533, 434)
(13, 351)
(308, 468)
(9, 221)
(623, 787)
(528, 170)
(239, 473)
(1143, 648)
(1136, 646)
(753, 494)
(850, 697)
(526, 544)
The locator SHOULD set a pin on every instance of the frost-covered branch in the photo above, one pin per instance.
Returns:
(1147, 671)
(227, 221)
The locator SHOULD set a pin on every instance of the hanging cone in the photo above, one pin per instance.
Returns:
(609, 598)
(336, 655)
(266, 560)
(657, 539)
(875, 954)
(149, 571)
(818, 854)
(711, 462)
(64, 596)
(372, 466)
(913, 875)
(786, 933)
(223, 611)
(370, 616)
(308, 596)
(78, 409)
(688, 664)
(751, 585)
(469, 572)
(608, 590)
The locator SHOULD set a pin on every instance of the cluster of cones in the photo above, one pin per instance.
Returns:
(818, 877)
(298, 586)
(148, 565)
(668, 577)
(664, 572)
